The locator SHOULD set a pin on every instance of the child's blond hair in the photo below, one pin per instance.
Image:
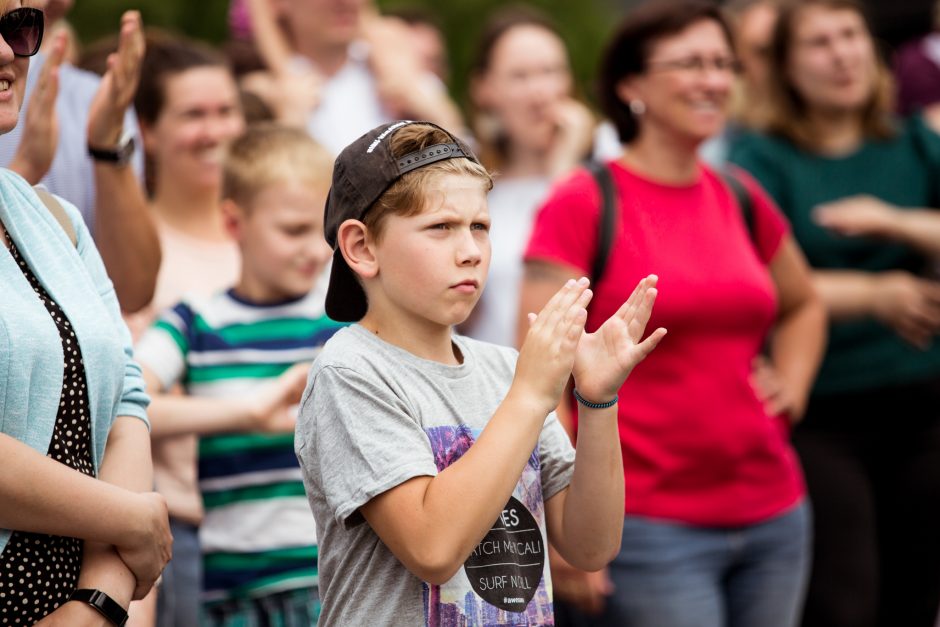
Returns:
(271, 154)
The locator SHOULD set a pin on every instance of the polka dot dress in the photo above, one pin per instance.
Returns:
(38, 571)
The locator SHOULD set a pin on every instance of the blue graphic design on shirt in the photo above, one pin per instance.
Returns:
(505, 581)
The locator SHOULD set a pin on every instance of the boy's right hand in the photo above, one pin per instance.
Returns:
(275, 406)
(547, 355)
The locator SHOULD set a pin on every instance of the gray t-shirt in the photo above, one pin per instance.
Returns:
(374, 416)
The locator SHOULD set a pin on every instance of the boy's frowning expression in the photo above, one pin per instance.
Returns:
(281, 240)
(432, 266)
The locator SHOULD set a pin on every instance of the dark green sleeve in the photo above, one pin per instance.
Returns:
(764, 162)
(927, 142)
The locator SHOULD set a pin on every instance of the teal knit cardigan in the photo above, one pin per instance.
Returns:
(31, 360)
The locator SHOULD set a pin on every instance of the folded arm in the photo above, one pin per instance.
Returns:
(271, 408)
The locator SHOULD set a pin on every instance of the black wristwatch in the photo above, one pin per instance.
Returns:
(119, 155)
(106, 606)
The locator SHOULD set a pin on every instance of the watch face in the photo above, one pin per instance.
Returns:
(126, 150)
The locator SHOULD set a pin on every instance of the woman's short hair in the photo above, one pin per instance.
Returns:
(787, 114)
(628, 51)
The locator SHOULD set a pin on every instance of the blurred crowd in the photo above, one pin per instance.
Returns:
(765, 158)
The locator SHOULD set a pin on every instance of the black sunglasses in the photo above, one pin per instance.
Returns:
(22, 30)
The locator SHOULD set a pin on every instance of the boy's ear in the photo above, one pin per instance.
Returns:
(233, 218)
(358, 248)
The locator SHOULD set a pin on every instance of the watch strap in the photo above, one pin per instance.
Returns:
(105, 605)
(119, 155)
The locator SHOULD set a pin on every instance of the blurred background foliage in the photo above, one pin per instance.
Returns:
(585, 24)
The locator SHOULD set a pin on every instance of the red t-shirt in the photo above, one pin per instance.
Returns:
(698, 446)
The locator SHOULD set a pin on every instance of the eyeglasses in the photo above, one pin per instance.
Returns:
(22, 30)
(697, 64)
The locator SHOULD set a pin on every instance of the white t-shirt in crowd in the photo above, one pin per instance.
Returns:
(513, 204)
(349, 103)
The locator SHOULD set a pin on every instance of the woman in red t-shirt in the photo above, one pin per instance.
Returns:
(716, 526)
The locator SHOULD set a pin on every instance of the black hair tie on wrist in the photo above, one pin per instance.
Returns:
(591, 405)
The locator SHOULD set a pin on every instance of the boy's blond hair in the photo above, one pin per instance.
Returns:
(271, 154)
(408, 195)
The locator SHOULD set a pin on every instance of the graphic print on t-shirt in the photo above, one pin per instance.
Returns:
(505, 581)
(506, 567)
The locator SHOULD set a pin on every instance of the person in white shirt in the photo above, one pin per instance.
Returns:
(530, 129)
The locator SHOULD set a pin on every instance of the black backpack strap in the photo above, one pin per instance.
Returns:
(745, 202)
(608, 216)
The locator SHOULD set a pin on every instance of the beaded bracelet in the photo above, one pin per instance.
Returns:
(591, 405)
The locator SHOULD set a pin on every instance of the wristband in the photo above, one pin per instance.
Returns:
(591, 405)
(106, 606)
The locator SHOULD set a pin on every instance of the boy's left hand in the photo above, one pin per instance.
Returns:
(274, 409)
(605, 358)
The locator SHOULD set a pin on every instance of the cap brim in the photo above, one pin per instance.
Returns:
(345, 300)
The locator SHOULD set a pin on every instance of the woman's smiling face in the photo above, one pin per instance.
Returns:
(13, 71)
(687, 84)
(201, 116)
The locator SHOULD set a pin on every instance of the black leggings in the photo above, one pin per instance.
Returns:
(872, 464)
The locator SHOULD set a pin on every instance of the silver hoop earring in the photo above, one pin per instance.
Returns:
(637, 107)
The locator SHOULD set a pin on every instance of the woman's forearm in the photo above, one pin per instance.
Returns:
(799, 337)
(847, 294)
(919, 229)
(41, 495)
(126, 464)
(798, 345)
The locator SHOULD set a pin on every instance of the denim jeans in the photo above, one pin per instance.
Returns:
(674, 575)
(179, 597)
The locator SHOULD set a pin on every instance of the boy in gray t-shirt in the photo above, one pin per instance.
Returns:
(433, 464)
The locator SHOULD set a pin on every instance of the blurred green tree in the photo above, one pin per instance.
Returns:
(585, 26)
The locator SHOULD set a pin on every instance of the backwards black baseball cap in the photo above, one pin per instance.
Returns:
(361, 174)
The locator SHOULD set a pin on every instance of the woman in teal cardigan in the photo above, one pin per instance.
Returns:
(75, 508)
(861, 192)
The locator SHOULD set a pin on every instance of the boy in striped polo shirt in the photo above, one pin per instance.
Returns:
(241, 356)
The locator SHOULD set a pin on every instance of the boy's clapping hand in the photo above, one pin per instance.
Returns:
(605, 358)
(547, 355)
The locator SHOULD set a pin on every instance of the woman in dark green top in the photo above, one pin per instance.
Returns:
(861, 190)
